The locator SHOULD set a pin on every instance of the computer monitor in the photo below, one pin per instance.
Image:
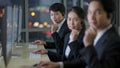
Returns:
(6, 34)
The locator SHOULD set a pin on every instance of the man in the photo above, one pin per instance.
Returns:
(59, 29)
(2, 12)
(101, 40)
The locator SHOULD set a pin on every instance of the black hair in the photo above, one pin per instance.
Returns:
(81, 14)
(57, 7)
(1, 7)
(108, 5)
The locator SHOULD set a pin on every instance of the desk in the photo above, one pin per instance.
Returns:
(21, 57)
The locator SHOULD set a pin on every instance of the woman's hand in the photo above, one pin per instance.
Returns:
(74, 35)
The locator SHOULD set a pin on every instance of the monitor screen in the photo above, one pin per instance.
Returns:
(6, 34)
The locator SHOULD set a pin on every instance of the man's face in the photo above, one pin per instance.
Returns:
(56, 17)
(97, 17)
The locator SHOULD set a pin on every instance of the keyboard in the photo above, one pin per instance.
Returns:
(31, 45)
(31, 55)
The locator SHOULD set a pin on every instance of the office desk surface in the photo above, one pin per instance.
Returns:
(22, 56)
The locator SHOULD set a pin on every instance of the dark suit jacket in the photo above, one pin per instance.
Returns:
(58, 36)
(0, 27)
(2, 19)
(75, 46)
(105, 54)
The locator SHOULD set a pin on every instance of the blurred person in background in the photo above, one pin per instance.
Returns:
(2, 12)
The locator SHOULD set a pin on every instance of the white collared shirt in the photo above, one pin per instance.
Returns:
(67, 51)
(60, 25)
(99, 34)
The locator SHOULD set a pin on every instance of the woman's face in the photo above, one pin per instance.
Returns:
(56, 17)
(97, 17)
(73, 21)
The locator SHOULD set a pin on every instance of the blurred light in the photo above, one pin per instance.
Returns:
(47, 10)
(48, 33)
(32, 13)
(45, 23)
(48, 25)
(36, 24)
(30, 24)
(41, 10)
(41, 26)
